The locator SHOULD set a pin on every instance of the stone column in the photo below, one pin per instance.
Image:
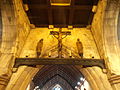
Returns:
(96, 78)
(5, 70)
(3, 82)
(111, 43)
(8, 42)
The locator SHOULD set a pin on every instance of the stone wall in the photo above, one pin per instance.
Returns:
(15, 29)
(85, 36)
(106, 37)
(111, 43)
(97, 26)
(16, 26)
(0, 26)
(23, 25)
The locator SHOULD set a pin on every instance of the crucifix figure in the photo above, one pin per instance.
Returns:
(59, 37)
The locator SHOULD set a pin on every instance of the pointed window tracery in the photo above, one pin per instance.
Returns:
(57, 87)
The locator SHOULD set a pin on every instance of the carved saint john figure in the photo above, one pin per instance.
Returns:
(79, 48)
(39, 48)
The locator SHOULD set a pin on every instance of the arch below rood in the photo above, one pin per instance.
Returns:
(94, 75)
(67, 72)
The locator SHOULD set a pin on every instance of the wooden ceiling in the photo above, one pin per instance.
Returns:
(42, 14)
(68, 72)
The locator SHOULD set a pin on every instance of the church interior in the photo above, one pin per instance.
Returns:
(59, 44)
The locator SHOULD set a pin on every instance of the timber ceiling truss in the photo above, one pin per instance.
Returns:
(78, 14)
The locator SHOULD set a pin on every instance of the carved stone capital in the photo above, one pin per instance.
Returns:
(114, 79)
(4, 79)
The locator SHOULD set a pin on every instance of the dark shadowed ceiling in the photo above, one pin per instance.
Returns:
(79, 13)
(68, 73)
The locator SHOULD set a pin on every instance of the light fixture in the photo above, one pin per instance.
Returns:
(81, 78)
(75, 87)
(51, 26)
(60, 2)
(94, 9)
(78, 83)
(70, 27)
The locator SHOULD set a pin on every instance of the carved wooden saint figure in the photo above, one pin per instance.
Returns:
(79, 47)
(39, 48)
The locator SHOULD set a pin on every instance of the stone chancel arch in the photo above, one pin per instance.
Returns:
(20, 37)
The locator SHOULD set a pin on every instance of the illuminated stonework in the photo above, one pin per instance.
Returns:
(19, 38)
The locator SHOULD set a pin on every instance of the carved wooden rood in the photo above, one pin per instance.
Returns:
(59, 37)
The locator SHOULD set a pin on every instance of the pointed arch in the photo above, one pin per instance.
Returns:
(57, 79)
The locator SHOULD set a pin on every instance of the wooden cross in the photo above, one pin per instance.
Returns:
(59, 37)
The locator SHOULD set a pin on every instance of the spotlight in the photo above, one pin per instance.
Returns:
(70, 27)
(81, 78)
(51, 26)
(75, 87)
(78, 83)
